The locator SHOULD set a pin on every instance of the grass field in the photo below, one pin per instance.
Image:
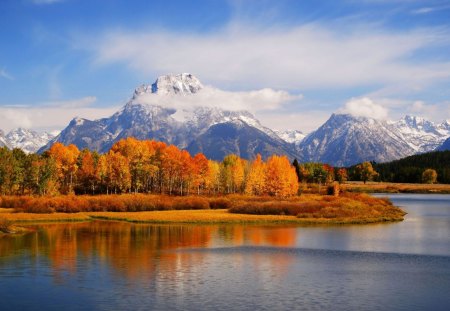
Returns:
(350, 208)
(384, 187)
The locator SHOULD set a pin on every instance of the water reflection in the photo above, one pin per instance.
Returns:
(123, 266)
(133, 249)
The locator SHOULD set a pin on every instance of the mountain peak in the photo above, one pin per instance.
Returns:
(182, 84)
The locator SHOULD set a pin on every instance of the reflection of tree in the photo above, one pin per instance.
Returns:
(135, 250)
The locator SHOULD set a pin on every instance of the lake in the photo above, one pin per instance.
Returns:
(122, 266)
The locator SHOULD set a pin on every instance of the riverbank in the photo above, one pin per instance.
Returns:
(303, 210)
(385, 187)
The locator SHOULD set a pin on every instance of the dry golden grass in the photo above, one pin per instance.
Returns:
(31, 217)
(225, 217)
(385, 187)
(306, 209)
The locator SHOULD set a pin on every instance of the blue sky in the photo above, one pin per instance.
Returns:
(384, 58)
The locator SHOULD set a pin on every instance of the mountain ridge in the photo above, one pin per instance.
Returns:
(150, 114)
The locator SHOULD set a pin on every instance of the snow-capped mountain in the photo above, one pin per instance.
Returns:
(422, 135)
(345, 140)
(3, 141)
(28, 140)
(149, 114)
(170, 110)
(291, 136)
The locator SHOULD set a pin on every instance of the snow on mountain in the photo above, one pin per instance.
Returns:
(422, 135)
(150, 115)
(173, 110)
(291, 136)
(345, 140)
(3, 140)
(27, 140)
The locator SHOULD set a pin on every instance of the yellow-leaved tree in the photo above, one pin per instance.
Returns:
(255, 184)
(280, 178)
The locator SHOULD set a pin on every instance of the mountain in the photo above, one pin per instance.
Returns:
(240, 138)
(28, 140)
(3, 140)
(171, 110)
(422, 135)
(291, 136)
(344, 140)
(445, 145)
(154, 112)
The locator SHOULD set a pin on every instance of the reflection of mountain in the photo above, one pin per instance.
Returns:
(134, 251)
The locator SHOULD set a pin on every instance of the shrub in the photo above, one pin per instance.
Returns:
(190, 203)
(333, 189)
(220, 203)
(276, 208)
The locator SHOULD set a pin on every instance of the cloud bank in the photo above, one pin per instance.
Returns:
(254, 101)
(302, 57)
(365, 107)
(51, 116)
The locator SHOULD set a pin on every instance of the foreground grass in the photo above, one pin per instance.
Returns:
(385, 187)
(191, 217)
(307, 209)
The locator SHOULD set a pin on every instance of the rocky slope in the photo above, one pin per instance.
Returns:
(144, 118)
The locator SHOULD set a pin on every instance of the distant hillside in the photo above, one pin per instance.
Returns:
(410, 169)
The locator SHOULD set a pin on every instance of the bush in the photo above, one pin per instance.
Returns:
(220, 203)
(276, 208)
(333, 189)
(189, 203)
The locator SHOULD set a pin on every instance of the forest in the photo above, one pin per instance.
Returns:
(148, 166)
(411, 169)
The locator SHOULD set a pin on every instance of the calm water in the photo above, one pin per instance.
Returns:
(121, 266)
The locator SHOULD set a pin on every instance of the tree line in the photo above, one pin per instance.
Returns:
(428, 167)
(148, 166)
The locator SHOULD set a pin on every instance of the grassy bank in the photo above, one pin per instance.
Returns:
(384, 187)
(306, 209)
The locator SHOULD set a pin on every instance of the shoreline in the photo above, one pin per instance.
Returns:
(387, 187)
(193, 217)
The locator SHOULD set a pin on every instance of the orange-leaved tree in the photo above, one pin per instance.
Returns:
(281, 178)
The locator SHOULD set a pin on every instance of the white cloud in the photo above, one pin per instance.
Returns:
(306, 122)
(365, 107)
(6, 75)
(51, 116)
(427, 10)
(259, 100)
(14, 117)
(304, 57)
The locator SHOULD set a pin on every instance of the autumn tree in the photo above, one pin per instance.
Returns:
(280, 178)
(255, 183)
(329, 173)
(232, 173)
(213, 178)
(429, 176)
(366, 171)
(118, 172)
(201, 172)
(66, 164)
(87, 171)
(342, 175)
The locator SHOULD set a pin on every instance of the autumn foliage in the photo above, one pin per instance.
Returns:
(148, 166)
